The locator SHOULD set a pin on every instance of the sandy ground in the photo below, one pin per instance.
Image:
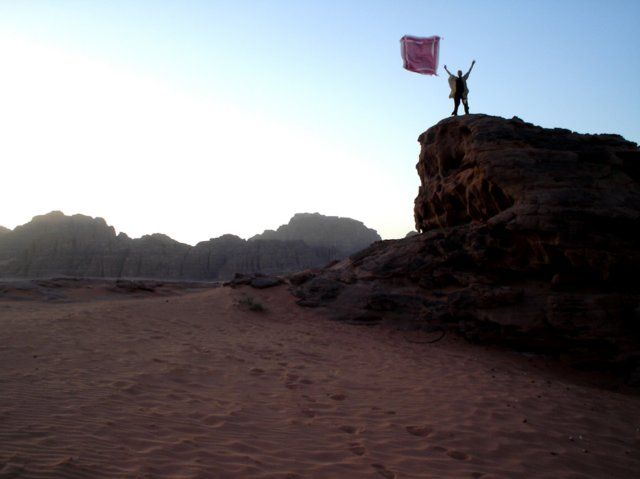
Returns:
(197, 386)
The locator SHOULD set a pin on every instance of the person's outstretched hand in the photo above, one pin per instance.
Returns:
(473, 61)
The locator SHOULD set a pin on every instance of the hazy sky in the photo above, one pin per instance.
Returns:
(199, 118)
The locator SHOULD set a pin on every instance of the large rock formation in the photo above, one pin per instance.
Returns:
(56, 244)
(342, 235)
(230, 254)
(530, 237)
(4, 230)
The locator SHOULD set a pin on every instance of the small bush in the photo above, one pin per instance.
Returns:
(251, 304)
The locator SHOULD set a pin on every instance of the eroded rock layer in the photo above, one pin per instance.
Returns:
(530, 237)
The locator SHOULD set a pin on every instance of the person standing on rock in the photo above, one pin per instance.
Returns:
(459, 90)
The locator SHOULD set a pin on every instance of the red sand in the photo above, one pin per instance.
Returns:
(196, 386)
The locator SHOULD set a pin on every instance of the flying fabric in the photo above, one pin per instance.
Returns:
(420, 54)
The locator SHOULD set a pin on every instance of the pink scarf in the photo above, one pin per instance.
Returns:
(420, 54)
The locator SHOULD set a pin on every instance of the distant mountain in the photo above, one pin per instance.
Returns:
(343, 235)
(55, 244)
(4, 230)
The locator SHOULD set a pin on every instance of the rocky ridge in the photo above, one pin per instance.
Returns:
(340, 234)
(55, 244)
(529, 237)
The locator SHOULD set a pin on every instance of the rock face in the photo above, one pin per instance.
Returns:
(557, 202)
(4, 230)
(530, 237)
(228, 255)
(342, 235)
(55, 244)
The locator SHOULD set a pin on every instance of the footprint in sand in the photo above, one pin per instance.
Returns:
(460, 456)
(133, 390)
(438, 449)
(293, 381)
(213, 421)
(64, 462)
(357, 449)
(308, 412)
(383, 471)
(420, 431)
(348, 429)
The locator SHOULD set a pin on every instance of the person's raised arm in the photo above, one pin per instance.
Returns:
(470, 68)
(447, 70)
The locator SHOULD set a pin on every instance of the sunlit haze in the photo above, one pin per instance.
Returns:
(197, 119)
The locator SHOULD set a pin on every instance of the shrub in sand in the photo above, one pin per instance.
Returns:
(251, 304)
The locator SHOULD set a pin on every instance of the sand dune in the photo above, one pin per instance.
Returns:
(197, 385)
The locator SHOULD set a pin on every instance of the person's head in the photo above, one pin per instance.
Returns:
(459, 73)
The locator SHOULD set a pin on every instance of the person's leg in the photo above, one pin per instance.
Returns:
(465, 102)
(456, 104)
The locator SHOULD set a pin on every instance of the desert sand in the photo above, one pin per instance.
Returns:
(194, 384)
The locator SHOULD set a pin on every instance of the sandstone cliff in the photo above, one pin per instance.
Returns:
(55, 244)
(343, 235)
(530, 237)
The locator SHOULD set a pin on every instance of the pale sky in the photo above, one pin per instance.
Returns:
(200, 118)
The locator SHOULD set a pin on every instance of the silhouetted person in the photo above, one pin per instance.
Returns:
(459, 90)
